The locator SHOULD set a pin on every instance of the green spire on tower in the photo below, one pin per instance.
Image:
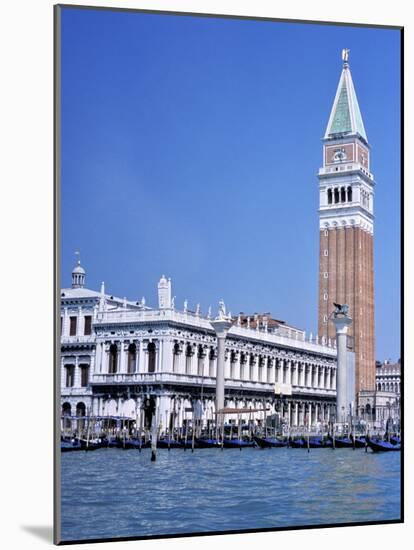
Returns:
(345, 118)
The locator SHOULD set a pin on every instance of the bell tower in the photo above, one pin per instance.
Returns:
(346, 228)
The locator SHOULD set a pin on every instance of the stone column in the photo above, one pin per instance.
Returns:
(255, 368)
(221, 325)
(121, 367)
(141, 357)
(296, 421)
(76, 374)
(279, 370)
(341, 321)
(237, 366)
(65, 323)
(98, 359)
(289, 372)
(79, 323)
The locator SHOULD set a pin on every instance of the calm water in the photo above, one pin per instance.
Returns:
(112, 492)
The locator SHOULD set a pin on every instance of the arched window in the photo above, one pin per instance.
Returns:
(151, 356)
(113, 359)
(232, 363)
(188, 356)
(349, 194)
(80, 413)
(80, 409)
(176, 354)
(132, 358)
(329, 196)
(200, 360)
(343, 198)
(211, 357)
(66, 413)
(336, 195)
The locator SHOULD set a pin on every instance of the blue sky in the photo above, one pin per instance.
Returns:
(190, 147)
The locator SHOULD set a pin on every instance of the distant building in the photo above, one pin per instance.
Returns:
(385, 402)
(117, 353)
(388, 376)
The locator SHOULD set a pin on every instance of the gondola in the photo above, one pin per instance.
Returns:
(395, 440)
(342, 442)
(70, 445)
(318, 443)
(298, 443)
(378, 445)
(268, 442)
(90, 445)
(134, 443)
(359, 442)
(237, 443)
(207, 443)
(170, 444)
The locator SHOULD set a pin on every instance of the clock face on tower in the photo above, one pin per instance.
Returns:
(339, 155)
(340, 152)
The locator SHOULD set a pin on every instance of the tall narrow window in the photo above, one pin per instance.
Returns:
(349, 194)
(113, 359)
(329, 196)
(132, 358)
(336, 195)
(70, 376)
(88, 325)
(151, 357)
(343, 198)
(72, 330)
(61, 325)
(84, 375)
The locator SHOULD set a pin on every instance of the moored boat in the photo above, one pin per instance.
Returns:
(341, 442)
(298, 443)
(166, 443)
(207, 443)
(268, 442)
(237, 443)
(378, 445)
(70, 445)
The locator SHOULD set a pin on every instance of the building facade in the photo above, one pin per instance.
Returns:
(116, 354)
(346, 228)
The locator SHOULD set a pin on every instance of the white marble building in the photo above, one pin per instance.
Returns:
(115, 353)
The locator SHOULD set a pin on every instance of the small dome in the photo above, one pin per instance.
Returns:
(78, 275)
(79, 269)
